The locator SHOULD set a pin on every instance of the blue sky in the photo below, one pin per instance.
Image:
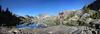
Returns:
(35, 7)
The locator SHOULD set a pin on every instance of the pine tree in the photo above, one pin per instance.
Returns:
(0, 8)
(7, 18)
(95, 5)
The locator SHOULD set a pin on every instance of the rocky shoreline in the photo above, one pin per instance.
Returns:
(60, 29)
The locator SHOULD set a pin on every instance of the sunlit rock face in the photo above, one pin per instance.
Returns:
(70, 18)
(75, 22)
